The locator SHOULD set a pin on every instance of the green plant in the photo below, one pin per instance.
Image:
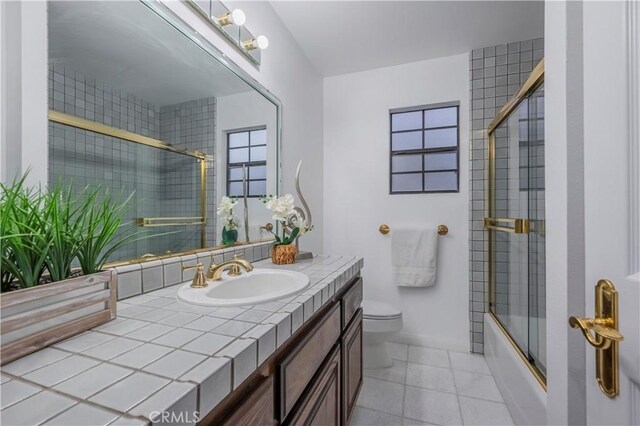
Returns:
(289, 217)
(101, 221)
(63, 213)
(25, 237)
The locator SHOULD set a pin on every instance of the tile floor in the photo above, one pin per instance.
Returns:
(430, 386)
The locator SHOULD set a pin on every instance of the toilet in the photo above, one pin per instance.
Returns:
(380, 321)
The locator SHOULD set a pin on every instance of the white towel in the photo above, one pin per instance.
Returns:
(414, 254)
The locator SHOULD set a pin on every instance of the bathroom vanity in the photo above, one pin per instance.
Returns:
(314, 378)
(295, 360)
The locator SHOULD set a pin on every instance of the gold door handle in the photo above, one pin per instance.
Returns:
(602, 333)
(520, 226)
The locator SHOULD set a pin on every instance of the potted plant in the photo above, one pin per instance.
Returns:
(43, 232)
(229, 220)
(284, 249)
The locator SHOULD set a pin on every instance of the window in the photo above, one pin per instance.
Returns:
(424, 149)
(247, 148)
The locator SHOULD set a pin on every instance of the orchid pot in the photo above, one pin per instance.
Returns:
(229, 220)
(284, 254)
(293, 225)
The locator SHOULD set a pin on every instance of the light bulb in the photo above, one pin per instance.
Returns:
(262, 42)
(238, 17)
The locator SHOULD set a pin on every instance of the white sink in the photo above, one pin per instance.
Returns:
(250, 288)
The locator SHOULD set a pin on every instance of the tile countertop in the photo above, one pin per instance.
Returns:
(161, 356)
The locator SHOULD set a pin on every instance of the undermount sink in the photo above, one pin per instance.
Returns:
(250, 288)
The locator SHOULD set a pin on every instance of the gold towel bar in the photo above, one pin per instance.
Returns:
(169, 221)
(442, 229)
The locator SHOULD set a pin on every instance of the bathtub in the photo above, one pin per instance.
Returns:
(524, 395)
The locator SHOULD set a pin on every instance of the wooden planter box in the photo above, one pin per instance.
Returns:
(36, 317)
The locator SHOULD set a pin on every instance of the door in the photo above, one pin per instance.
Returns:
(611, 192)
(600, 222)
(321, 405)
(351, 367)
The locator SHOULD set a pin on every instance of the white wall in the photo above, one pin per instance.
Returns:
(357, 200)
(286, 72)
(23, 73)
(235, 112)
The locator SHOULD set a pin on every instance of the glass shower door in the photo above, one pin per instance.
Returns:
(516, 227)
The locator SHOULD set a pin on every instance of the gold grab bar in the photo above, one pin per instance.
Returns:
(520, 226)
(442, 229)
(169, 221)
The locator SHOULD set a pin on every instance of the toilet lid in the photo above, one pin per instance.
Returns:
(377, 310)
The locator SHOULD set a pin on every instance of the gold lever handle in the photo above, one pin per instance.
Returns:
(199, 279)
(603, 332)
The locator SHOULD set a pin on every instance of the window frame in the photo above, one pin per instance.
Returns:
(249, 163)
(425, 151)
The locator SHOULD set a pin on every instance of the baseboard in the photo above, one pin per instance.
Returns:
(430, 341)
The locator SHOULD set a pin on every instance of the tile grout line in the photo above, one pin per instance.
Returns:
(455, 386)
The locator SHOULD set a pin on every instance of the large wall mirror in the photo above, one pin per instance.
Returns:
(139, 104)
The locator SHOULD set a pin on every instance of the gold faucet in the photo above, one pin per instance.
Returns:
(234, 265)
(199, 280)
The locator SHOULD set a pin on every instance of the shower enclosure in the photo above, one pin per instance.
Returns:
(515, 222)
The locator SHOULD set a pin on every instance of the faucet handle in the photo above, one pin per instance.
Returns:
(199, 279)
(238, 255)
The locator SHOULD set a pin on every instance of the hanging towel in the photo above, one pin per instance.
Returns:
(414, 254)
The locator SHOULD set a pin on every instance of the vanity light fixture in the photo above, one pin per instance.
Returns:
(261, 42)
(237, 17)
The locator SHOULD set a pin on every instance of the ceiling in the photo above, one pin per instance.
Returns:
(128, 47)
(348, 36)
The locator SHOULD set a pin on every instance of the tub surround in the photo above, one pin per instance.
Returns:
(161, 354)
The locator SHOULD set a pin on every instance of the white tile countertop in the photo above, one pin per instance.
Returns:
(161, 355)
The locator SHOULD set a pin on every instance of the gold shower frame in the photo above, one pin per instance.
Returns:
(535, 79)
(201, 157)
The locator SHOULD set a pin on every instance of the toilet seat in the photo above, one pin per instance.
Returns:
(374, 310)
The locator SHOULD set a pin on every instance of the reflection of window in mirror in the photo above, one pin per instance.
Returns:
(247, 148)
(424, 149)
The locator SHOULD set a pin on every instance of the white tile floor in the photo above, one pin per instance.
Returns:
(430, 386)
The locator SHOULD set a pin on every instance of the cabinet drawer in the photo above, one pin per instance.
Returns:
(351, 302)
(256, 409)
(321, 405)
(298, 368)
(351, 366)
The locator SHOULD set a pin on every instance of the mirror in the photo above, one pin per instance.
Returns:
(140, 106)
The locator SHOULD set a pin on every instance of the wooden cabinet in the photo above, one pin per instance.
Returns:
(313, 378)
(351, 366)
(351, 301)
(321, 405)
(256, 409)
(301, 364)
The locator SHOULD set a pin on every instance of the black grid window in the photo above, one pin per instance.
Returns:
(424, 149)
(247, 148)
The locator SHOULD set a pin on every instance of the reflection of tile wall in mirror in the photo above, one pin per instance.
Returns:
(159, 84)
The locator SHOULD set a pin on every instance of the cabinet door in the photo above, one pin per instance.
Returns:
(256, 409)
(351, 366)
(300, 366)
(321, 405)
